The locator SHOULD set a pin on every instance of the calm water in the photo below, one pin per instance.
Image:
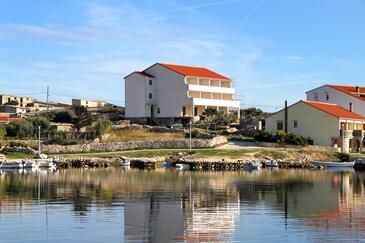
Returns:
(113, 205)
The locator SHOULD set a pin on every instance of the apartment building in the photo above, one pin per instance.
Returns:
(21, 101)
(167, 90)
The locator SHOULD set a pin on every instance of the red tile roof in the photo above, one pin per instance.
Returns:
(334, 110)
(350, 90)
(6, 119)
(194, 71)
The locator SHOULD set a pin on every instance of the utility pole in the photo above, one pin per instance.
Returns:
(39, 140)
(47, 98)
(190, 123)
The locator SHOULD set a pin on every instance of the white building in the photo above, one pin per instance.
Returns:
(88, 103)
(349, 97)
(322, 122)
(165, 91)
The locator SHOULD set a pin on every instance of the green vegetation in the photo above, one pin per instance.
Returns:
(212, 116)
(101, 126)
(253, 112)
(18, 155)
(82, 117)
(28, 128)
(281, 138)
(61, 117)
(12, 102)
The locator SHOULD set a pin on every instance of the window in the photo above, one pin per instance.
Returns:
(327, 96)
(150, 95)
(158, 110)
(316, 96)
(150, 82)
(279, 126)
(195, 111)
(295, 124)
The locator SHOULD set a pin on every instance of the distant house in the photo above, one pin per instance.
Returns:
(88, 103)
(21, 100)
(12, 109)
(174, 91)
(349, 97)
(7, 119)
(322, 122)
(62, 127)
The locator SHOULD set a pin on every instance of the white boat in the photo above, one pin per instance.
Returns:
(46, 163)
(331, 164)
(271, 163)
(182, 166)
(12, 165)
(124, 162)
(30, 164)
(253, 165)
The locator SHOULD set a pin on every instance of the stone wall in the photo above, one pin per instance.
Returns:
(134, 145)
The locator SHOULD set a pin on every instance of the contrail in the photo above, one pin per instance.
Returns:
(203, 5)
(248, 15)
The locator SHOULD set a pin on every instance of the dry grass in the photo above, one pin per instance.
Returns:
(135, 134)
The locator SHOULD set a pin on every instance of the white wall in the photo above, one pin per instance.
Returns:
(135, 94)
(313, 123)
(337, 97)
(170, 91)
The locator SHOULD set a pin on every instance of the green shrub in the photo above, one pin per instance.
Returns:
(282, 138)
(344, 157)
(263, 136)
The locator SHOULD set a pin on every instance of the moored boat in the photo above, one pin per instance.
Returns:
(12, 165)
(182, 166)
(30, 164)
(271, 163)
(331, 164)
(253, 165)
(46, 163)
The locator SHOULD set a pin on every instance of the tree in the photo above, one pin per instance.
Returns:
(253, 112)
(12, 102)
(62, 117)
(207, 113)
(101, 126)
(82, 117)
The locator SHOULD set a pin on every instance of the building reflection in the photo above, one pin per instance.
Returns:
(164, 206)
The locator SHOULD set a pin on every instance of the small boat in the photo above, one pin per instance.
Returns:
(124, 163)
(271, 163)
(182, 166)
(253, 165)
(331, 164)
(30, 164)
(46, 163)
(12, 165)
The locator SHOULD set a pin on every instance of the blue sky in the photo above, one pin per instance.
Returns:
(274, 50)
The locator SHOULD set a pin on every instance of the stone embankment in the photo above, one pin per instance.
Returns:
(134, 145)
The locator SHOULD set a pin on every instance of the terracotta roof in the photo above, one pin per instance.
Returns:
(6, 119)
(194, 71)
(334, 110)
(350, 90)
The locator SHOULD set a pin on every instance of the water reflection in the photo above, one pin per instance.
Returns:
(162, 206)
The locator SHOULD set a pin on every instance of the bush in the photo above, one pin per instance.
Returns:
(101, 126)
(263, 136)
(282, 138)
(343, 157)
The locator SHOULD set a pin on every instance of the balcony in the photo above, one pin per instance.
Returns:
(216, 102)
(213, 89)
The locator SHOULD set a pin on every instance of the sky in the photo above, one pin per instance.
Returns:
(273, 50)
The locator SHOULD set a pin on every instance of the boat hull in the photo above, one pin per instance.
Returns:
(331, 164)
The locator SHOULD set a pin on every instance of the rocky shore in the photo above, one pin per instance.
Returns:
(182, 158)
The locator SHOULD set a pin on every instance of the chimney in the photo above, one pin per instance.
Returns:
(358, 90)
(350, 106)
(286, 117)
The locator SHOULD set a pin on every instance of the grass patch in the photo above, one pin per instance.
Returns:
(17, 155)
(134, 134)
